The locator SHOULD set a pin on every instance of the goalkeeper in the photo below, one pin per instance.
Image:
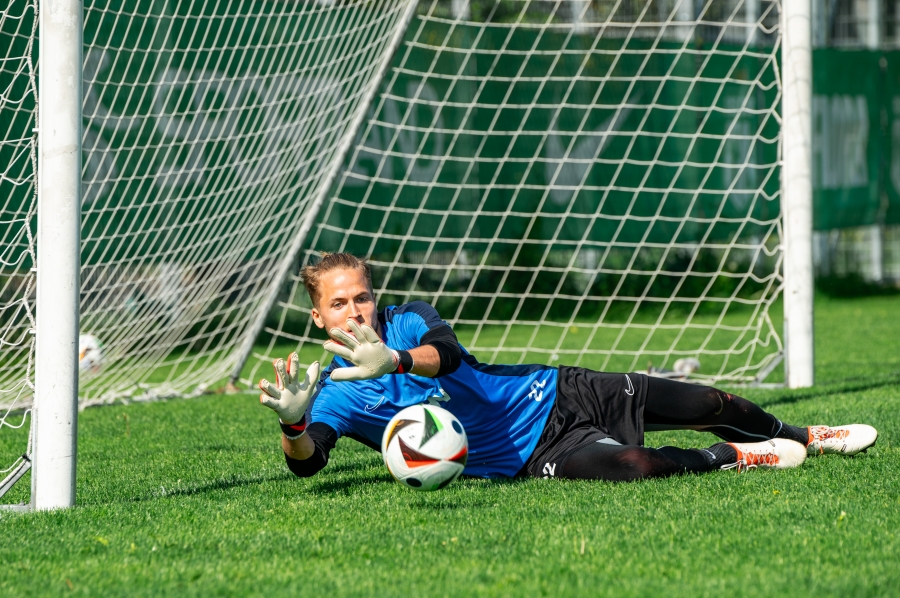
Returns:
(535, 420)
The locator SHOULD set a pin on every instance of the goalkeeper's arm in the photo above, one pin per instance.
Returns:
(438, 353)
(306, 450)
(308, 454)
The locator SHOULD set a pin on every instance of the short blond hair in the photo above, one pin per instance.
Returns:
(311, 274)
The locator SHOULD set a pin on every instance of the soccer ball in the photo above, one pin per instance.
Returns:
(687, 365)
(90, 353)
(424, 447)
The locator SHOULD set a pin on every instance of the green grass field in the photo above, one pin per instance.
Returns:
(193, 498)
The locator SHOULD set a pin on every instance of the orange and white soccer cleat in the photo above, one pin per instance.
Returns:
(843, 440)
(778, 453)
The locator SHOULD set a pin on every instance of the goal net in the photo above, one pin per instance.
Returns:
(583, 183)
(209, 130)
(18, 198)
(590, 183)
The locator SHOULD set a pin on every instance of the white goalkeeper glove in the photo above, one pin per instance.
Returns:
(289, 397)
(365, 350)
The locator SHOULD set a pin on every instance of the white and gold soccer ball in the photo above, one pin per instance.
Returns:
(90, 353)
(425, 447)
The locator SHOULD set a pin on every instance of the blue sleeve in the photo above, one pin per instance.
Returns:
(413, 320)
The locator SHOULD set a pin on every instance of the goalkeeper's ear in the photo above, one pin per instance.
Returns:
(317, 318)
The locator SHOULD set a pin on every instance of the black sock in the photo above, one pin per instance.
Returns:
(800, 435)
(692, 460)
(720, 454)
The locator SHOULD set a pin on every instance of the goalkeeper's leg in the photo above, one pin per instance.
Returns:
(621, 463)
(679, 405)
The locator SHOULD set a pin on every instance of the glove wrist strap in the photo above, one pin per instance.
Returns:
(293, 431)
(404, 362)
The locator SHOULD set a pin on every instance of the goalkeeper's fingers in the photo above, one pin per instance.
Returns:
(344, 338)
(265, 399)
(268, 390)
(349, 374)
(268, 402)
(364, 332)
(312, 374)
(338, 349)
(281, 375)
(293, 367)
(370, 334)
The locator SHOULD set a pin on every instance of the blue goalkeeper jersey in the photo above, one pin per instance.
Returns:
(503, 408)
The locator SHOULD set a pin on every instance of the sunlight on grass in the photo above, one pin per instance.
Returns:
(192, 497)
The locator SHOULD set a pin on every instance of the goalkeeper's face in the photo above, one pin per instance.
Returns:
(344, 295)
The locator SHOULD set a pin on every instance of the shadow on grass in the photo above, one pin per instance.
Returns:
(855, 384)
(215, 485)
(354, 466)
(346, 485)
(360, 478)
(324, 485)
(425, 503)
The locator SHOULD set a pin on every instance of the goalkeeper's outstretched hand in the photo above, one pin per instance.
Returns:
(365, 350)
(289, 397)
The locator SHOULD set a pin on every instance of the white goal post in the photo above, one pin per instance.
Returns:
(616, 184)
(797, 189)
(55, 413)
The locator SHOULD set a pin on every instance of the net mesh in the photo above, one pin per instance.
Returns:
(583, 183)
(590, 183)
(207, 129)
(18, 167)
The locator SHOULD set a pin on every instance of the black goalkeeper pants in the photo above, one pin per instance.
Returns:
(597, 426)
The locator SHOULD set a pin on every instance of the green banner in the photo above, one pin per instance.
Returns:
(890, 202)
(856, 138)
(846, 109)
